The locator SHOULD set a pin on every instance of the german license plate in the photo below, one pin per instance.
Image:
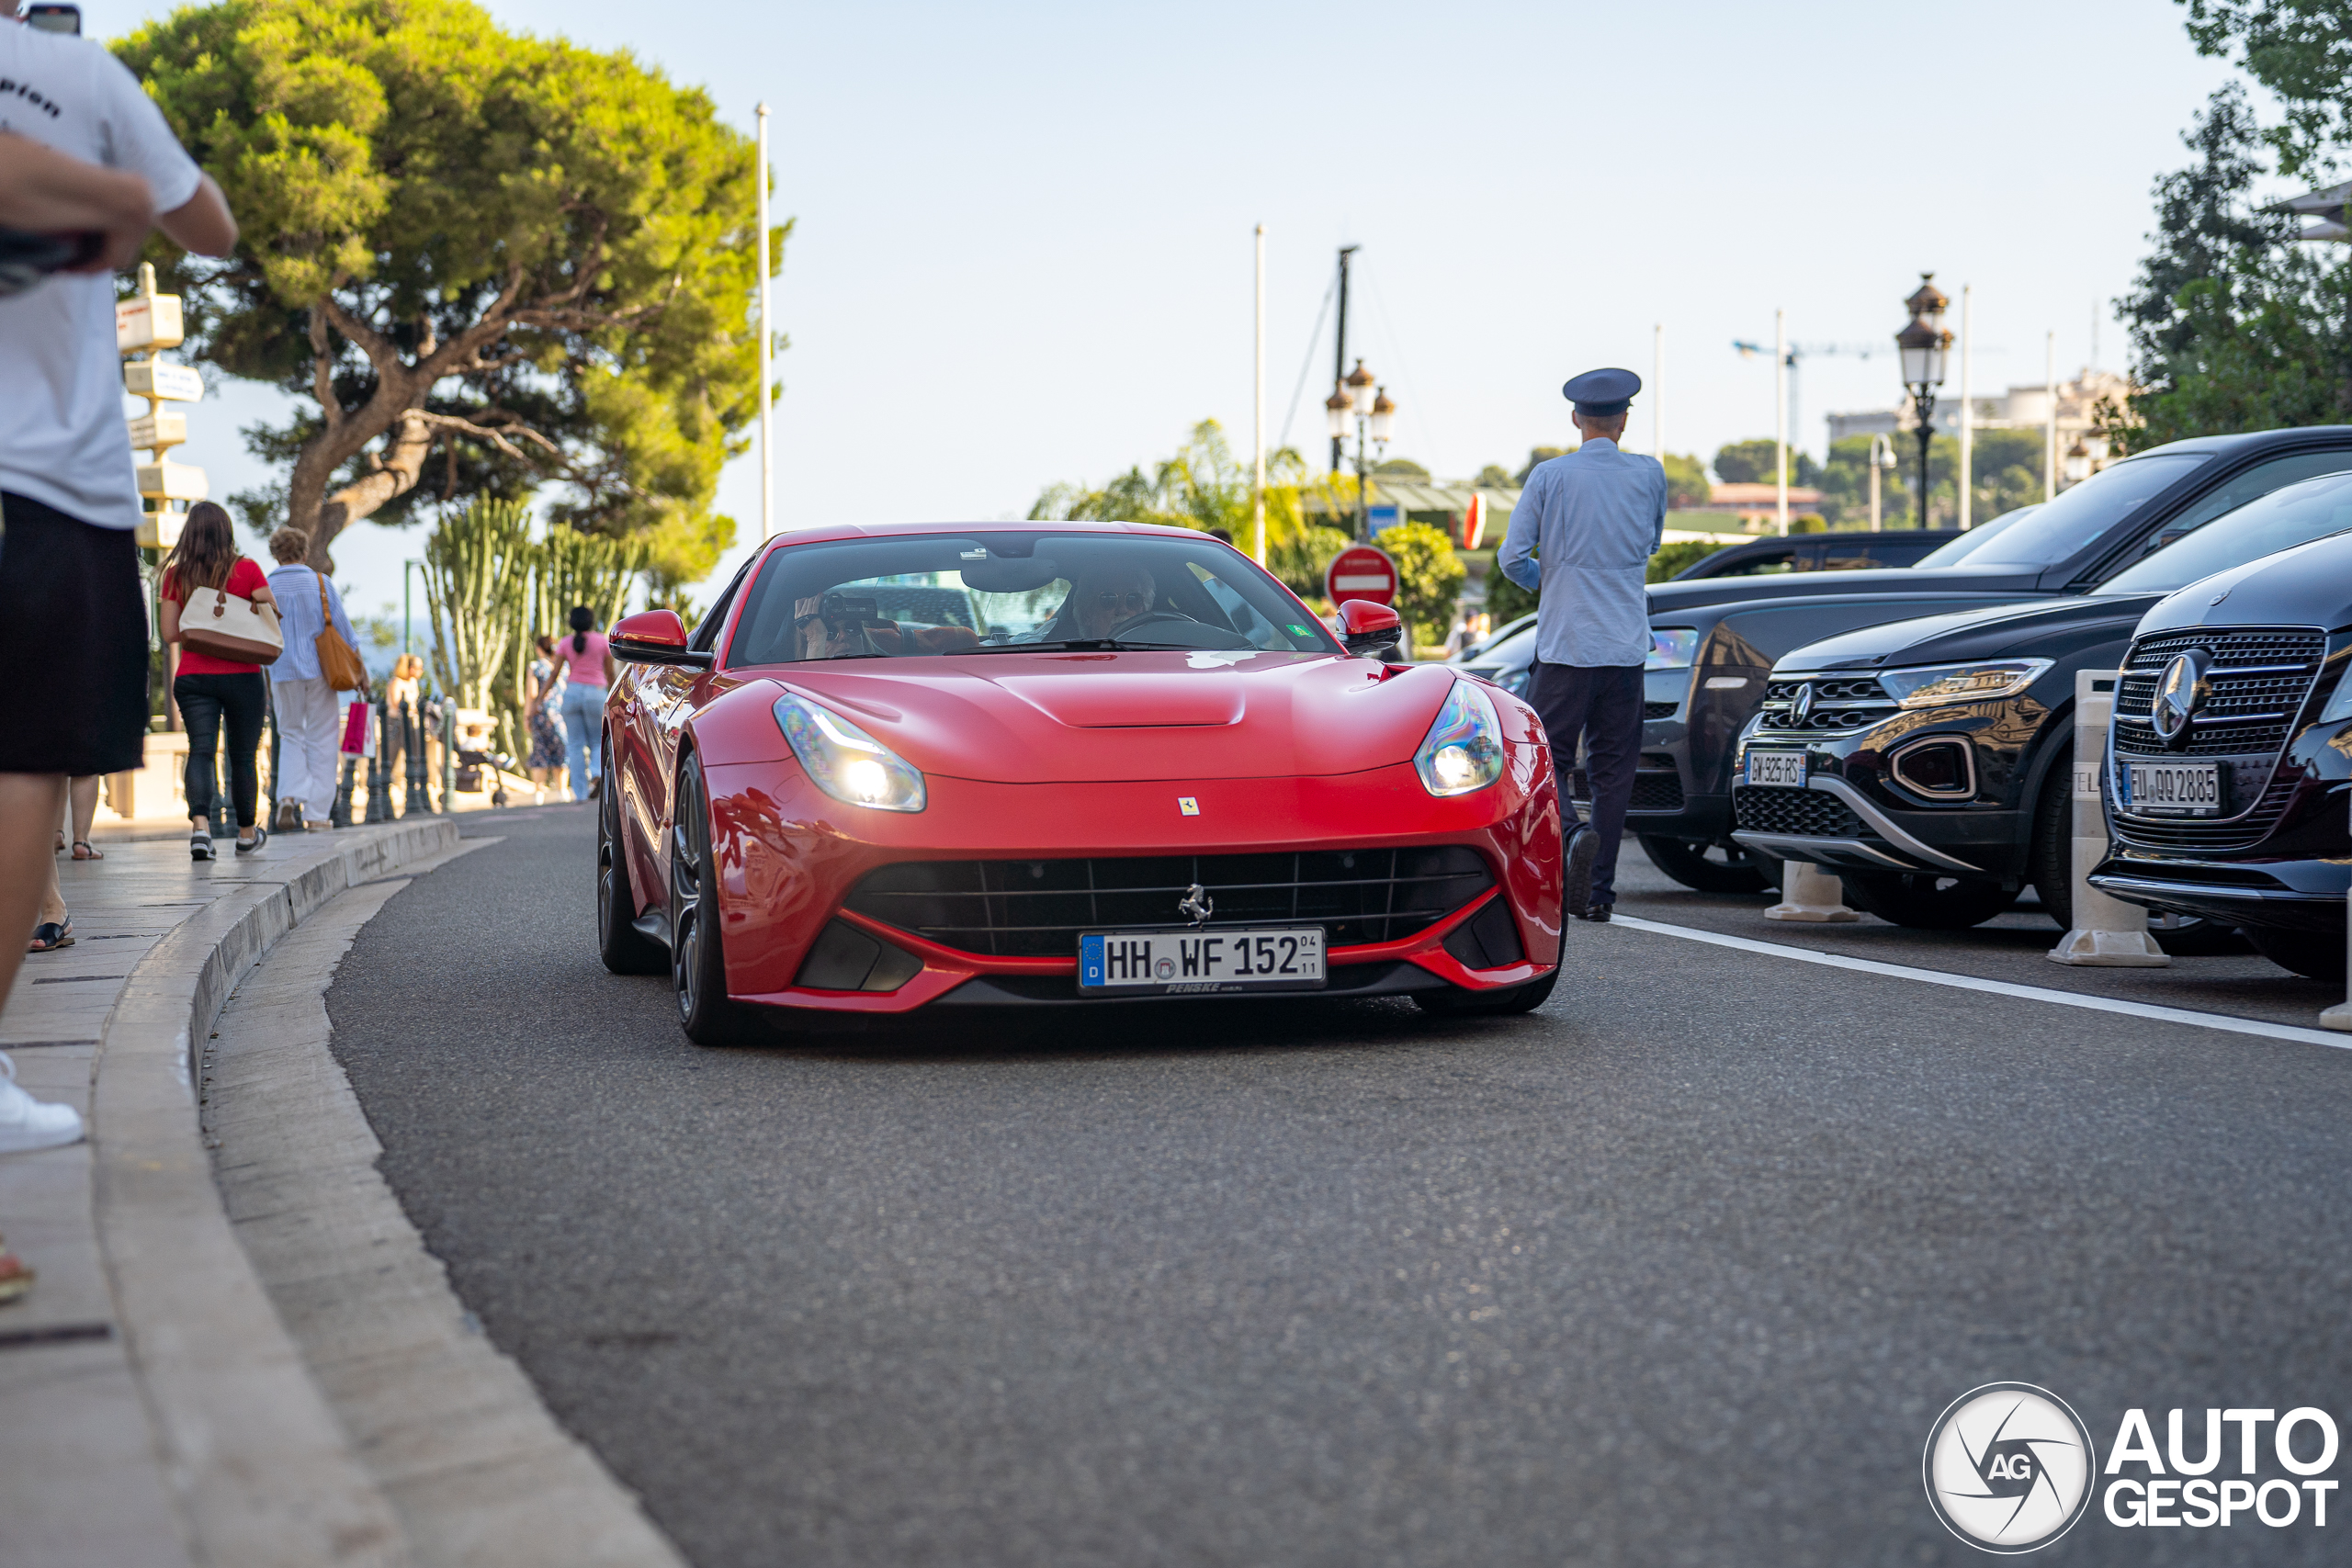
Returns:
(1197, 962)
(2176, 789)
(1783, 768)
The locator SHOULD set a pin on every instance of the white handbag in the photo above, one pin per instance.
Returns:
(227, 627)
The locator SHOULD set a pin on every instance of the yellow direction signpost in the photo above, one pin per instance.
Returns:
(148, 323)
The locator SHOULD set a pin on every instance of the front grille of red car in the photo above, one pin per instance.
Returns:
(1035, 909)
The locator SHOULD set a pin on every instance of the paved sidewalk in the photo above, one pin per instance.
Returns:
(154, 1402)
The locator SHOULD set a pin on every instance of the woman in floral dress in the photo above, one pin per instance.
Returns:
(542, 697)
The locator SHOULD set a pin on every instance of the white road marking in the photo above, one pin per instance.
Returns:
(1999, 987)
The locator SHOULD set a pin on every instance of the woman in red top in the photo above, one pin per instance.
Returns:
(212, 691)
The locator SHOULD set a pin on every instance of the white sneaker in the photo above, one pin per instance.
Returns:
(30, 1123)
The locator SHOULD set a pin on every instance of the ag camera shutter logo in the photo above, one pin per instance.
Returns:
(2008, 1468)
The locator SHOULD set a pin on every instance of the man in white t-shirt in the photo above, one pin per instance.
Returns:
(73, 622)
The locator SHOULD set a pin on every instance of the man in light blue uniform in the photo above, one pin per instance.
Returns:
(1582, 535)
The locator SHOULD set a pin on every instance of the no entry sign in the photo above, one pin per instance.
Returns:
(1360, 572)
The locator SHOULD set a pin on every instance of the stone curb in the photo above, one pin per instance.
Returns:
(254, 1460)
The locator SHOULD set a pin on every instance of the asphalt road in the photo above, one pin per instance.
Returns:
(1679, 1269)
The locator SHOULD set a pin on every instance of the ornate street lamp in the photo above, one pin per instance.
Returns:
(2078, 462)
(1362, 398)
(1923, 345)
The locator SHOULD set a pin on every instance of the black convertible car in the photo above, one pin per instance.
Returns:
(1717, 639)
(2229, 778)
(1930, 762)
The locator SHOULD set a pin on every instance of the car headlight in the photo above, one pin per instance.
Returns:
(847, 764)
(1932, 685)
(1463, 749)
(2340, 705)
(1671, 648)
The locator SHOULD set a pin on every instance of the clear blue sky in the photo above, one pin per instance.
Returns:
(1024, 244)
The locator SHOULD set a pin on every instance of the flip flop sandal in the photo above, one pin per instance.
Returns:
(50, 935)
(85, 850)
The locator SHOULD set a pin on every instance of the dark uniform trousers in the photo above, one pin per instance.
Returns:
(1603, 705)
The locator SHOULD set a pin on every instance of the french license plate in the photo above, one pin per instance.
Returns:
(1197, 962)
(2176, 789)
(1784, 768)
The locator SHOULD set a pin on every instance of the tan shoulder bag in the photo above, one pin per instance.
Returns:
(338, 660)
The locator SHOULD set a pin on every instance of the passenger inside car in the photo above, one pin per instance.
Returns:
(845, 626)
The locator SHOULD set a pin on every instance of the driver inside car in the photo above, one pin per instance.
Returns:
(1104, 597)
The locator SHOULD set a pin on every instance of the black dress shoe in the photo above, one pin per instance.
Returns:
(1597, 914)
(1583, 850)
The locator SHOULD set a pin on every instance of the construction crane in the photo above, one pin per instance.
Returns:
(1798, 353)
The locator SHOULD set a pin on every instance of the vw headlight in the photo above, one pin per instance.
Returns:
(847, 764)
(1463, 749)
(1932, 685)
(1671, 648)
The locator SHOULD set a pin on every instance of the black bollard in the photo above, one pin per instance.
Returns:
(269, 801)
(449, 758)
(340, 815)
(223, 819)
(420, 800)
(378, 808)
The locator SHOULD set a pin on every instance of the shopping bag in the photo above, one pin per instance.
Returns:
(358, 734)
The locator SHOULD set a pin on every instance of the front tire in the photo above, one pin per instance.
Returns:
(1926, 901)
(1712, 868)
(1458, 1003)
(623, 947)
(2316, 955)
(697, 956)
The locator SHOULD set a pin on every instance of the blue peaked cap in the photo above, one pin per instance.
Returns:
(1602, 392)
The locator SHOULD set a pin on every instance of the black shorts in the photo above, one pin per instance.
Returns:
(73, 640)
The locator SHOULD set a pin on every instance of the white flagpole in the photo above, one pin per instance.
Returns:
(1258, 417)
(1781, 410)
(767, 345)
(2050, 421)
(1967, 417)
(1657, 390)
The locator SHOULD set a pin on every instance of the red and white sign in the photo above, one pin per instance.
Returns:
(1360, 572)
(1473, 522)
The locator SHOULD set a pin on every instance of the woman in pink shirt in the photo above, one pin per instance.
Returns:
(590, 669)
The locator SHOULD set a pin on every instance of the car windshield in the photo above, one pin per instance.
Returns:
(1976, 539)
(980, 592)
(2085, 514)
(2279, 521)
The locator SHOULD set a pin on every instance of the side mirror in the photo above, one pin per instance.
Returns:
(656, 637)
(1366, 628)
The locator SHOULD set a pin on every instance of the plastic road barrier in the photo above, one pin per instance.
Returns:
(2108, 932)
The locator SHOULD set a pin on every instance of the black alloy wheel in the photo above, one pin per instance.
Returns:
(697, 956)
(2316, 955)
(1458, 1003)
(1712, 868)
(623, 947)
(1926, 901)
